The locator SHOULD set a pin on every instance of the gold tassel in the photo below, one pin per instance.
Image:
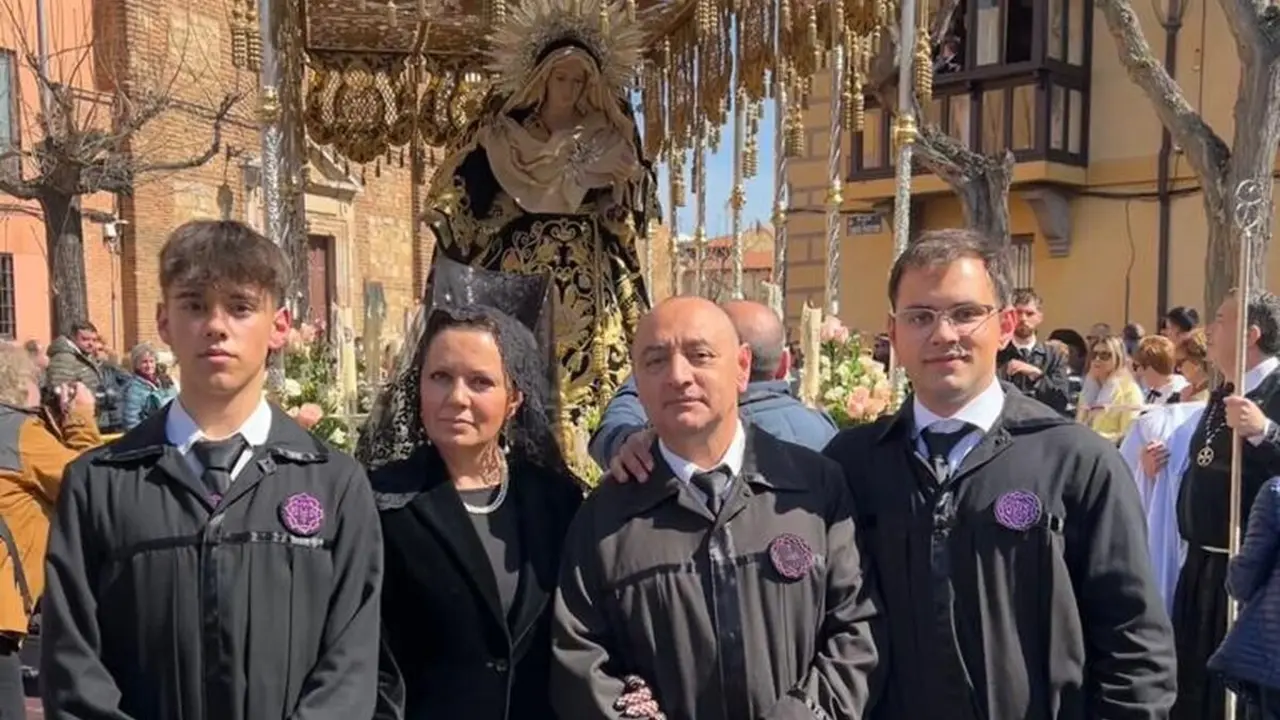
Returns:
(391, 13)
(499, 11)
(252, 38)
(631, 10)
(604, 19)
(239, 43)
(924, 68)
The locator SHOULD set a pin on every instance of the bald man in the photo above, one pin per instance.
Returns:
(622, 440)
(727, 586)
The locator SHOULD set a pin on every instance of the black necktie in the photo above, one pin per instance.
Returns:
(940, 445)
(1153, 396)
(218, 457)
(1025, 354)
(714, 485)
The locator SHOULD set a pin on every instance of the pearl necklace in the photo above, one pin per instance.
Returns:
(493, 506)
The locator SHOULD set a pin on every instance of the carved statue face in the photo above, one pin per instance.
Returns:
(565, 83)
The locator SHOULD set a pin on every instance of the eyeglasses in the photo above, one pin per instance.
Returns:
(1103, 355)
(965, 318)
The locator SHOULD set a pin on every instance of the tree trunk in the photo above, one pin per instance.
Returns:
(981, 181)
(1253, 149)
(985, 197)
(64, 238)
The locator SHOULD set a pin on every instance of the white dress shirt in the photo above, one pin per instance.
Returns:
(733, 458)
(183, 433)
(982, 412)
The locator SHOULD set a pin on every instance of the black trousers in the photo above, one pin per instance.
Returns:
(1199, 624)
(1259, 703)
(13, 701)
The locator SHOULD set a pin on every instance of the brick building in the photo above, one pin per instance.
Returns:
(360, 227)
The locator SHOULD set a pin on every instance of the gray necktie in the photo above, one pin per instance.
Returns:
(219, 457)
(940, 445)
(714, 485)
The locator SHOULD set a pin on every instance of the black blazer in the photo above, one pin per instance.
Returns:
(448, 648)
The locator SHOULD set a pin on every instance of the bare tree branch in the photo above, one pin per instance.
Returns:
(215, 144)
(1207, 154)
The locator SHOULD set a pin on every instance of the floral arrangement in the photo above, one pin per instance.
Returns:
(853, 386)
(312, 393)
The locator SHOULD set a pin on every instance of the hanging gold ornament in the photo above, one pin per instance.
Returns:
(499, 9)
(859, 98)
(391, 13)
(850, 113)
(605, 9)
(239, 42)
(924, 67)
(751, 159)
(253, 38)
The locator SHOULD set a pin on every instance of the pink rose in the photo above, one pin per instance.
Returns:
(309, 414)
(855, 406)
(832, 329)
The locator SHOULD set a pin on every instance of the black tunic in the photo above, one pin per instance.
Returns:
(1061, 620)
(451, 649)
(163, 606)
(1053, 387)
(499, 533)
(1204, 501)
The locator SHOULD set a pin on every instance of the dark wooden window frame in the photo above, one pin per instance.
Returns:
(9, 67)
(1017, 244)
(8, 298)
(1041, 72)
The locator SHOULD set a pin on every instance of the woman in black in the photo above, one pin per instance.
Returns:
(475, 500)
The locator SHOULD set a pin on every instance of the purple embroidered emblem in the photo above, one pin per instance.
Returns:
(302, 514)
(215, 499)
(1018, 510)
(791, 556)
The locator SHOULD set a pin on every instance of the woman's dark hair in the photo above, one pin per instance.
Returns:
(1184, 318)
(530, 435)
(1075, 341)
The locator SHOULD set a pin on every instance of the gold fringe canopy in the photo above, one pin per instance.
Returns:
(690, 72)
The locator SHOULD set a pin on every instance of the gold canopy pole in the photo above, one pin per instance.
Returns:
(675, 179)
(1248, 217)
(738, 195)
(700, 220)
(904, 135)
(781, 189)
(835, 138)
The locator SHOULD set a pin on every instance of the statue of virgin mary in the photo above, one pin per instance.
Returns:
(552, 181)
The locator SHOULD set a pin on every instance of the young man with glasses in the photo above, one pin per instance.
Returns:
(1008, 541)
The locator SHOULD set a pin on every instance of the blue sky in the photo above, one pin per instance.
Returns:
(759, 204)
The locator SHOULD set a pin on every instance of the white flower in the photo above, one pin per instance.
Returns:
(292, 388)
(338, 437)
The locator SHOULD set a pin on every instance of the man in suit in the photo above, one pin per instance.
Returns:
(729, 584)
(621, 443)
(1027, 363)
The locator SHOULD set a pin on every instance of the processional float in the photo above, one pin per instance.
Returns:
(379, 80)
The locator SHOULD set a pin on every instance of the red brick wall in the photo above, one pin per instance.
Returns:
(186, 47)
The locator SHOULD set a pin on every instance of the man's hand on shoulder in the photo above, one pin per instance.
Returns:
(634, 460)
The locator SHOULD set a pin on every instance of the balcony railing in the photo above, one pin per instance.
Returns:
(1038, 111)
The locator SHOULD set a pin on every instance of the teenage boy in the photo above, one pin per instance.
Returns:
(217, 562)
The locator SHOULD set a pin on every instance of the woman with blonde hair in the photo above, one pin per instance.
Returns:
(1110, 398)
